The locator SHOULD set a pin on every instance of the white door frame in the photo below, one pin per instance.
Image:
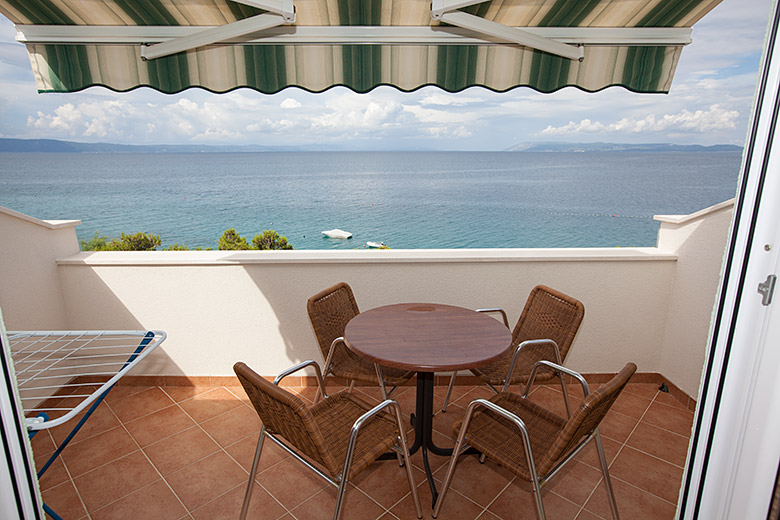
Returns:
(734, 450)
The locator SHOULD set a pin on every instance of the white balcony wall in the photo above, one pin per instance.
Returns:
(219, 307)
(30, 292)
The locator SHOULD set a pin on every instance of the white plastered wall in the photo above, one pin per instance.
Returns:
(30, 292)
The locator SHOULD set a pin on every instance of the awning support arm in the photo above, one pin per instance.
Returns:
(447, 11)
(281, 12)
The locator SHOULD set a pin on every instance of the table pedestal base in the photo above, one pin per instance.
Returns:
(422, 420)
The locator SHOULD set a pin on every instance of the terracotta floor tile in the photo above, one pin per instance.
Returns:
(243, 452)
(209, 404)
(663, 444)
(159, 425)
(206, 479)
(180, 450)
(587, 515)
(648, 473)
(670, 418)
(153, 501)
(42, 443)
(550, 399)
(443, 421)
(233, 425)
(517, 501)
(669, 400)
(487, 515)
(646, 390)
(180, 393)
(355, 506)
(291, 483)
(386, 482)
(64, 500)
(617, 426)
(110, 482)
(575, 482)
(633, 504)
(140, 404)
(84, 456)
(631, 405)
(455, 506)
(228, 506)
(589, 455)
(102, 419)
(55, 474)
(481, 483)
(120, 392)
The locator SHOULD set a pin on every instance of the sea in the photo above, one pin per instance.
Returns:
(408, 200)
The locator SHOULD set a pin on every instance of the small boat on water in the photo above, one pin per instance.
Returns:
(375, 245)
(337, 233)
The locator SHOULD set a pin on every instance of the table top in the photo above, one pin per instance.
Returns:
(427, 337)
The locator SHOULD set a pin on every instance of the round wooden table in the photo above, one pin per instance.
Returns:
(426, 338)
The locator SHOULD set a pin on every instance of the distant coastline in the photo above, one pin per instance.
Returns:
(58, 146)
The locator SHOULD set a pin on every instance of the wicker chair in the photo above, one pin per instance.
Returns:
(531, 441)
(544, 331)
(338, 437)
(329, 312)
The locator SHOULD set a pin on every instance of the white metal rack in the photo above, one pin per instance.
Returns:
(60, 373)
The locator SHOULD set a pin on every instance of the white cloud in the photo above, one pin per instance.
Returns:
(714, 118)
(289, 103)
(447, 99)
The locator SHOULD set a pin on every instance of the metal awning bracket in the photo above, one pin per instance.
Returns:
(447, 11)
(280, 12)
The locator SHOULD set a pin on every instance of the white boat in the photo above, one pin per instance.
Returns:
(337, 233)
(375, 245)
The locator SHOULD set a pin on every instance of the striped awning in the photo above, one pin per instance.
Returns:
(269, 45)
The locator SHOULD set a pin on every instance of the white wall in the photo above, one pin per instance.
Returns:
(220, 306)
(699, 241)
(30, 293)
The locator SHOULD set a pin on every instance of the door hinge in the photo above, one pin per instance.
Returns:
(767, 289)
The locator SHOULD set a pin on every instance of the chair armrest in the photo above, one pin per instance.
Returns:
(557, 368)
(359, 423)
(300, 366)
(531, 342)
(503, 314)
(333, 346)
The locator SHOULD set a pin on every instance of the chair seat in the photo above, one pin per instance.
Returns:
(350, 366)
(501, 441)
(336, 415)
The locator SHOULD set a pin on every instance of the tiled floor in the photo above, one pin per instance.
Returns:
(184, 453)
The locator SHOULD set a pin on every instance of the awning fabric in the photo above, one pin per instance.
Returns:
(269, 68)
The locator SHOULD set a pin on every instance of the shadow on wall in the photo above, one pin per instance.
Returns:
(286, 291)
(90, 304)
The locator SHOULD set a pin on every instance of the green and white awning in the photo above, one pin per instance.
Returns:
(269, 45)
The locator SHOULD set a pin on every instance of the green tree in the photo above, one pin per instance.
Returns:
(270, 239)
(96, 243)
(137, 242)
(232, 241)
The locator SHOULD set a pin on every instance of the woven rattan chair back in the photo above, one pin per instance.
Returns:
(549, 314)
(586, 418)
(285, 414)
(329, 312)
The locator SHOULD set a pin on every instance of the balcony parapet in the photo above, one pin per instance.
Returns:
(403, 256)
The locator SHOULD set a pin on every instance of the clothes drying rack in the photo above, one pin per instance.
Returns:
(63, 373)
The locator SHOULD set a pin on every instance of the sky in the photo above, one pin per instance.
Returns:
(709, 103)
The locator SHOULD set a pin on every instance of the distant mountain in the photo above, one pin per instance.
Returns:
(53, 145)
(621, 147)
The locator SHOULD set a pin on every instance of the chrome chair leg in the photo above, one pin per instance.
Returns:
(605, 471)
(449, 391)
(252, 474)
